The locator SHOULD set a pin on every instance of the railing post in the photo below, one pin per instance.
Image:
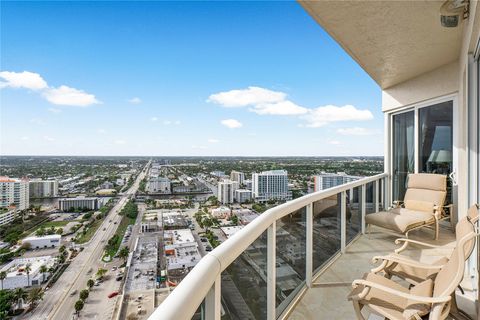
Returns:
(213, 301)
(364, 206)
(376, 194)
(271, 270)
(343, 220)
(309, 246)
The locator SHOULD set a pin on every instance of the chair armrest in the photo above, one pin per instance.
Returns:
(370, 284)
(441, 209)
(399, 260)
(397, 203)
(406, 242)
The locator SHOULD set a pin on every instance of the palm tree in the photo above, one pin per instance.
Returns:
(35, 295)
(90, 283)
(61, 250)
(3, 275)
(101, 272)
(43, 270)
(124, 252)
(78, 306)
(28, 268)
(20, 295)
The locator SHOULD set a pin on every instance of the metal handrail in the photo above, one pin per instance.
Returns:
(184, 300)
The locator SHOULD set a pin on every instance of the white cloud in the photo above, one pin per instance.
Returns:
(47, 138)
(246, 97)
(37, 121)
(334, 142)
(62, 95)
(135, 100)
(177, 122)
(68, 96)
(199, 147)
(25, 79)
(153, 119)
(54, 110)
(321, 116)
(356, 131)
(213, 141)
(231, 123)
(119, 142)
(279, 108)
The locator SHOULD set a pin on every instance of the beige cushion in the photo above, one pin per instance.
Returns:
(399, 219)
(405, 271)
(418, 205)
(433, 196)
(428, 181)
(423, 289)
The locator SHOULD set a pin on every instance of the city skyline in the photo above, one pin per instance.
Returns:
(161, 79)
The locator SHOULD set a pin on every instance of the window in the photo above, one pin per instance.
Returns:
(403, 147)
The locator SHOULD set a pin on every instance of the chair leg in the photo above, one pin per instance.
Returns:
(437, 227)
(358, 310)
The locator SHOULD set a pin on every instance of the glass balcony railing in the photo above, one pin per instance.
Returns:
(262, 270)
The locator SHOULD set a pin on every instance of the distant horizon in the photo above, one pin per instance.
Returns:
(199, 156)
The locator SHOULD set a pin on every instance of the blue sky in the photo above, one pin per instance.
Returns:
(182, 78)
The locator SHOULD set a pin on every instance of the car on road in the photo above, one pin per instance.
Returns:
(114, 268)
(113, 294)
(104, 229)
(74, 292)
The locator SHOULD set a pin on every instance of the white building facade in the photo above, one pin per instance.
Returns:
(329, 180)
(48, 241)
(43, 188)
(270, 185)
(243, 195)
(67, 204)
(7, 217)
(237, 176)
(226, 191)
(159, 184)
(17, 276)
(14, 192)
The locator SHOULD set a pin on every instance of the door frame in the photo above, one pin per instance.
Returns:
(415, 107)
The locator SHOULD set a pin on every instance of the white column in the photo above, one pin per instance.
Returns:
(213, 301)
(343, 220)
(271, 275)
(363, 208)
(309, 246)
(376, 195)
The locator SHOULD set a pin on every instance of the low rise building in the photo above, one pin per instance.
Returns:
(17, 276)
(48, 241)
(70, 204)
(7, 216)
(221, 212)
(43, 188)
(245, 216)
(181, 249)
(230, 231)
(243, 195)
(158, 185)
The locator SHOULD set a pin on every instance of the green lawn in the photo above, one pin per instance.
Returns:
(90, 232)
(56, 224)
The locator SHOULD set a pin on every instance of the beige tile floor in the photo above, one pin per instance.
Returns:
(327, 298)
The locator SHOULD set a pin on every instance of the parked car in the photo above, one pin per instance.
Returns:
(113, 294)
(74, 292)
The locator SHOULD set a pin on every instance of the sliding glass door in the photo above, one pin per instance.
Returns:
(422, 141)
(403, 147)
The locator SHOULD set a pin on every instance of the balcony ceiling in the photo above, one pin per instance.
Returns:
(392, 41)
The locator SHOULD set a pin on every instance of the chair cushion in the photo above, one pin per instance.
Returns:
(399, 219)
(428, 181)
(387, 304)
(419, 205)
(423, 289)
(405, 271)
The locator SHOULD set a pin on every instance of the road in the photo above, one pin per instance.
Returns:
(58, 302)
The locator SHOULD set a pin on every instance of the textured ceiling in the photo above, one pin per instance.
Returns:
(392, 41)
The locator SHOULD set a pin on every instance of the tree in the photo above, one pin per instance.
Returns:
(123, 253)
(20, 295)
(43, 270)
(79, 306)
(3, 275)
(40, 232)
(84, 294)
(59, 231)
(61, 249)
(28, 268)
(90, 283)
(101, 272)
(35, 295)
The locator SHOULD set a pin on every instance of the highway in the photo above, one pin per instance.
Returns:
(58, 304)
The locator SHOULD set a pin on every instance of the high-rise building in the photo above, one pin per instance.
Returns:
(328, 180)
(237, 176)
(14, 192)
(269, 185)
(43, 188)
(243, 195)
(226, 191)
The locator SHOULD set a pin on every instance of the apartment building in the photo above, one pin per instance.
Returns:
(237, 176)
(328, 180)
(270, 185)
(90, 203)
(14, 192)
(226, 191)
(43, 188)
